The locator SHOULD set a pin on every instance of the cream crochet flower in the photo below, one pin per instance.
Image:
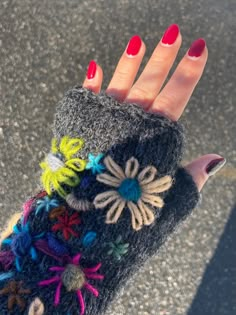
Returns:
(134, 191)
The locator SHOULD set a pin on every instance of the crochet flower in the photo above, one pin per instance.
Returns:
(65, 224)
(14, 291)
(22, 243)
(46, 204)
(94, 163)
(60, 165)
(132, 190)
(118, 249)
(74, 278)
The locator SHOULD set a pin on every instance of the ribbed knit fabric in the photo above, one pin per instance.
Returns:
(121, 132)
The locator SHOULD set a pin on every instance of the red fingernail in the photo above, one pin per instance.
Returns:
(92, 67)
(197, 48)
(134, 46)
(170, 34)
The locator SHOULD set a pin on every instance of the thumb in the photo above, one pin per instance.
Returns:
(204, 167)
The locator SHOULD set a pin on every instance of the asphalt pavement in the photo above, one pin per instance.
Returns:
(45, 47)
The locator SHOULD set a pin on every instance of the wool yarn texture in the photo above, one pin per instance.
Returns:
(113, 191)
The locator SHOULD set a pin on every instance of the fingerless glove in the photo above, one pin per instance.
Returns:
(113, 191)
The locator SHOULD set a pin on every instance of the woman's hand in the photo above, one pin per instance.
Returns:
(146, 91)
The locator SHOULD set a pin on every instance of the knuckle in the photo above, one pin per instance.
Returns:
(122, 75)
(187, 74)
(139, 92)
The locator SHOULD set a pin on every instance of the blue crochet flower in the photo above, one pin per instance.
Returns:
(22, 244)
(46, 204)
(94, 163)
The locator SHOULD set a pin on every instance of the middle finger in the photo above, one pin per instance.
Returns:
(147, 87)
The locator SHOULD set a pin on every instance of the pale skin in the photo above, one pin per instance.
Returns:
(145, 91)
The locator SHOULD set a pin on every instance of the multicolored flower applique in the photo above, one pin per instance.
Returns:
(74, 278)
(22, 243)
(65, 223)
(60, 167)
(94, 163)
(118, 249)
(14, 291)
(46, 204)
(131, 190)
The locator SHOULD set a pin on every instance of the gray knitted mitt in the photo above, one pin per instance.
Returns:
(113, 192)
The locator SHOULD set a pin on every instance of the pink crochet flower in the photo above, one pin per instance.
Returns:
(74, 278)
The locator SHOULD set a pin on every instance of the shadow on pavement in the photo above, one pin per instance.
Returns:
(217, 293)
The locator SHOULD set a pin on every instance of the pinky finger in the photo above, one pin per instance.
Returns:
(94, 77)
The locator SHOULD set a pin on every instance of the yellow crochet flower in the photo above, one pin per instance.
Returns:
(60, 167)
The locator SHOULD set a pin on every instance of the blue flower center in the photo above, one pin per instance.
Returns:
(21, 244)
(130, 189)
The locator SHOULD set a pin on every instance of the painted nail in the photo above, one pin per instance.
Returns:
(197, 48)
(170, 34)
(91, 70)
(215, 165)
(134, 46)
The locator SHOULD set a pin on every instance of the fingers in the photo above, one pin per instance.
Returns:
(204, 167)
(173, 99)
(94, 77)
(127, 69)
(148, 85)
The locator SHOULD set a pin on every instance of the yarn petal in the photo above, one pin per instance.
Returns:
(76, 259)
(136, 217)
(49, 281)
(92, 269)
(11, 302)
(147, 175)
(104, 199)
(114, 168)
(131, 168)
(147, 213)
(91, 289)
(153, 200)
(81, 302)
(58, 293)
(115, 211)
(36, 307)
(159, 185)
(76, 164)
(108, 180)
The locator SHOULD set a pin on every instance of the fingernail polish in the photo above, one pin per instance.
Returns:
(91, 70)
(197, 48)
(134, 46)
(170, 34)
(215, 165)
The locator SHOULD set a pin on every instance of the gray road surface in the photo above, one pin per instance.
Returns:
(45, 47)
